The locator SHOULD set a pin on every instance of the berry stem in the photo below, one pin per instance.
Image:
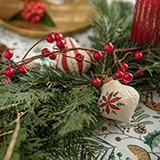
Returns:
(125, 56)
(40, 40)
(104, 65)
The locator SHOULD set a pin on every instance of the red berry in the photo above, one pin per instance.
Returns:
(9, 72)
(23, 69)
(58, 37)
(33, 11)
(123, 67)
(138, 55)
(53, 56)
(97, 55)
(40, 12)
(96, 82)
(34, 5)
(141, 73)
(50, 38)
(35, 19)
(45, 51)
(8, 54)
(118, 75)
(127, 77)
(79, 57)
(60, 44)
(109, 48)
(43, 6)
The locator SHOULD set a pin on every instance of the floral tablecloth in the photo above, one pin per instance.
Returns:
(139, 140)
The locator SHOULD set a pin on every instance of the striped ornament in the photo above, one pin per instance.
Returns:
(71, 65)
(145, 27)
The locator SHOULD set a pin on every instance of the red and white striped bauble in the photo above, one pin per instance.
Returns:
(71, 65)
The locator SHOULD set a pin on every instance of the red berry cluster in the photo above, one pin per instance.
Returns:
(97, 55)
(9, 71)
(122, 75)
(33, 11)
(108, 47)
(60, 43)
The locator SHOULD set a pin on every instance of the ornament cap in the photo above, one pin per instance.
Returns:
(107, 79)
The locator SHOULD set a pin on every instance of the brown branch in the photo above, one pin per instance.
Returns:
(125, 56)
(104, 65)
(32, 48)
(5, 133)
(28, 60)
(14, 136)
(126, 50)
(36, 44)
(13, 140)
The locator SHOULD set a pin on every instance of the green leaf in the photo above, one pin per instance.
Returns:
(47, 21)
(115, 94)
(119, 104)
(141, 117)
(153, 139)
(156, 117)
(146, 123)
(137, 113)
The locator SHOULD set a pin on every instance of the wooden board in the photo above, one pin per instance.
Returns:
(69, 18)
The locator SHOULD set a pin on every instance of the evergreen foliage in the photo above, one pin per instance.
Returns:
(60, 116)
(59, 110)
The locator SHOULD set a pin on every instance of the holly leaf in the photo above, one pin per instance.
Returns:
(152, 139)
(47, 21)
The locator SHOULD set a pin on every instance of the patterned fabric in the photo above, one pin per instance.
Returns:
(140, 139)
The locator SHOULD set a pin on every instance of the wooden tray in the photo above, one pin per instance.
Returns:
(69, 18)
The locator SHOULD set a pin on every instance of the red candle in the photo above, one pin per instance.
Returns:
(146, 22)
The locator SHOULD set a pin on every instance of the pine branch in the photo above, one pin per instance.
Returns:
(59, 113)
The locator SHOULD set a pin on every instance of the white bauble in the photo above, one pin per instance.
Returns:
(118, 101)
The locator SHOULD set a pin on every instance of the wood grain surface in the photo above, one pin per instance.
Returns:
(69, 18)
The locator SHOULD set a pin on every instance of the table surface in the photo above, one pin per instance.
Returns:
(139, 140)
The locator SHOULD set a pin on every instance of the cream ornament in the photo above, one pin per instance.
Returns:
(71, 65)
(118, 101)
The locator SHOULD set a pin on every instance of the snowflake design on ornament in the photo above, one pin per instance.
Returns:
(109, 102)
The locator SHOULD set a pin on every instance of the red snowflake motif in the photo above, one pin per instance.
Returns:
(108, 102)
